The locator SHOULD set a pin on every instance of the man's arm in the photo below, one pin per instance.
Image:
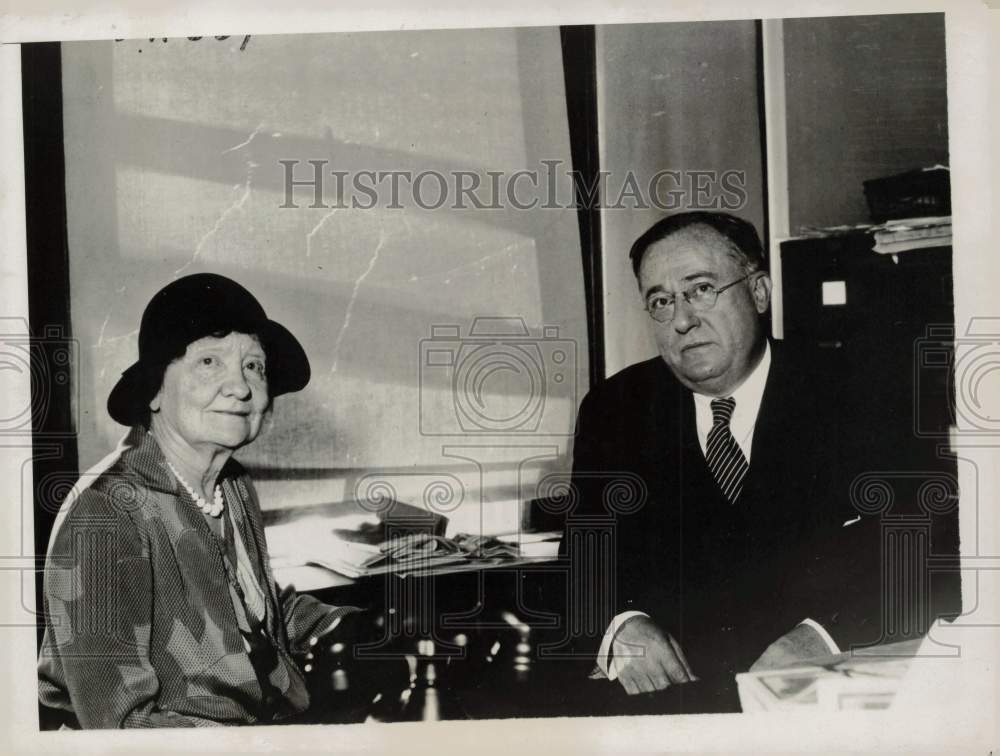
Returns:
(606, 659)
(646, 659)
(807, 640)
(592, 545)
(632, 648)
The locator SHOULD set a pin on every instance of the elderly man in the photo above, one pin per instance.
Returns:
(744, 546)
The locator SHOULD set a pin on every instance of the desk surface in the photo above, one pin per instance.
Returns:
(309, 577)
(300, 538)
(474, 686)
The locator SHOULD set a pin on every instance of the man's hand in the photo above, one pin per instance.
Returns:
(648, 659)
(799, 644)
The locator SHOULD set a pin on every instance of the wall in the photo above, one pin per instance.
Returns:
(866, 97)
(679, 97)
(173, 153)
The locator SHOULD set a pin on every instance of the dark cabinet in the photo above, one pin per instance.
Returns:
(886, 294)
(885, 313)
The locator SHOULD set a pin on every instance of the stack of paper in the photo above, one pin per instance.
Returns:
(542, 545)
(864, 679)
(897, 236)
(412, 553)
(356, 546)
(421, 552)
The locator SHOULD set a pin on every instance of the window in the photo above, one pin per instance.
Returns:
(431, 325)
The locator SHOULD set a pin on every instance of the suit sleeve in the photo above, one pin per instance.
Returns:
(869, 575)
(98, 589)
(597, 545)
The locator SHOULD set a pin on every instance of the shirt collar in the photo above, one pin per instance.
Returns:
(750, 393)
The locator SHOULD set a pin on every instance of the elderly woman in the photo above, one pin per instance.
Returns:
(161, 609)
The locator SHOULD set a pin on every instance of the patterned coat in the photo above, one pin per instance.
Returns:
(141, 628)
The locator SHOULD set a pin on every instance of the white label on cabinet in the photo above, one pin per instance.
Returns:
(834, 293)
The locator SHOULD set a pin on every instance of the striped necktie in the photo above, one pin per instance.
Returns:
(724, 456)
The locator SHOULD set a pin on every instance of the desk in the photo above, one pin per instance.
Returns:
(308, 578)
(499, 612)
(477, 681)
(296, 535)
(561, 692)
(468, 685)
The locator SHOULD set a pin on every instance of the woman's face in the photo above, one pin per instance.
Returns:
(216, 393)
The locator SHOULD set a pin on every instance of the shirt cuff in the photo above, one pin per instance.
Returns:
(821, 631)
(607, 666)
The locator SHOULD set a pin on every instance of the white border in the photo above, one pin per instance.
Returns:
(972, 36)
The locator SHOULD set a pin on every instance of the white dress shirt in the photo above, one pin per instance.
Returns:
(748, 396)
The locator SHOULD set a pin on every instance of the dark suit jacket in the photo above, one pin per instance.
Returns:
(651, 531)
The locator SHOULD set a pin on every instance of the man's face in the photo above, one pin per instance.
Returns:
(713, 351)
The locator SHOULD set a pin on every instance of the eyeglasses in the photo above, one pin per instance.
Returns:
(701, 296)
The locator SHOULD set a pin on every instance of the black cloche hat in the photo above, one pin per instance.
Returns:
(191, 308)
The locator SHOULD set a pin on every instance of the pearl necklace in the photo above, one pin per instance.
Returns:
(214, 509)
